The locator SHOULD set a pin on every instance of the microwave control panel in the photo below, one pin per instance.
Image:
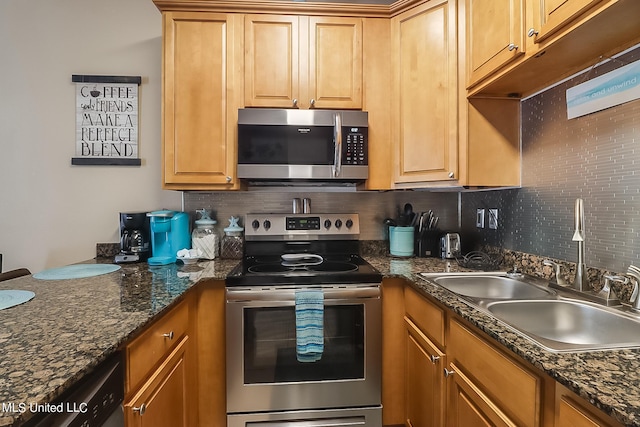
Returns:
(354, 150)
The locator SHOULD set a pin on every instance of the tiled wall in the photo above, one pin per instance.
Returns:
(595, 157)
(373, 207)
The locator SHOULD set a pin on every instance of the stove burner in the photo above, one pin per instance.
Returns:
(325, 267)
(269, 268)
(333, 267)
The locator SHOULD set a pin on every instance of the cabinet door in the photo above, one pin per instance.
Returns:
(199, 115)
(425, 98)
(469, 407)
(162, 400)
(494, 36)
(271, 70)
(335, 62)
(553, 14)
(424, 380)
(506, 385)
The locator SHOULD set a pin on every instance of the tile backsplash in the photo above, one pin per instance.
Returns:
(595, 157)
(373, 206)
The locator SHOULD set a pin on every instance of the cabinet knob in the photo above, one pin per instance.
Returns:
(169, 335)
(532, 32)
(141, 409)
(228, 179)
(434, 358)
(448, 373)
(512, 47)
(312, 102)
(452, 175)
(295, 102)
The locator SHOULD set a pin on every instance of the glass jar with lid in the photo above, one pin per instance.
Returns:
(204, 236)
(233, 241)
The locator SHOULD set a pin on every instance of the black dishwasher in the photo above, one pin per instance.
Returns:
(95, 401)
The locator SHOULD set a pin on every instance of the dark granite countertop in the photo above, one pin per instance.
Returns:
(70, 326)
(52, 341)
(610, 379)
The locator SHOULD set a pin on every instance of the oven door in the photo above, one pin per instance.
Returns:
(263, 373)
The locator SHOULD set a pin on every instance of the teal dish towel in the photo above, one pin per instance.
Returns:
(309, 325)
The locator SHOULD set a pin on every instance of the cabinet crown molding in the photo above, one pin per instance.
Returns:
(287, 7)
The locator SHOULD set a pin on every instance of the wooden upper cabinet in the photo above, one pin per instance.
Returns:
(303, 62)
(199, 111)
(335, 62)
(551, 15)
(494, 36)
(271, 60)
(425, 93)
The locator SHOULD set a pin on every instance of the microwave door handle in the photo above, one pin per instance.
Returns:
(337, 140)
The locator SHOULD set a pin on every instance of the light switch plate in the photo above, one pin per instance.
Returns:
(480, 218)
(493, 219)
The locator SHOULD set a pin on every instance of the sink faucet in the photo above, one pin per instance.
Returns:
(581, 281)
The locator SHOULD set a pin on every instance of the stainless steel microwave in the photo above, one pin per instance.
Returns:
(313, 145)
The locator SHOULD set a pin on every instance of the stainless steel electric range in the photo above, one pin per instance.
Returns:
(290, 257)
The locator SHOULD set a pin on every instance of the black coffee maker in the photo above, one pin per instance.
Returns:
(135, 237)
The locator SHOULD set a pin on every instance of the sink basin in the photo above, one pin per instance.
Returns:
(569, 325)
(491, 287)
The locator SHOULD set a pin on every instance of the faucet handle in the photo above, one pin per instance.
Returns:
(634, 272)
(606, 291)
(559, 279)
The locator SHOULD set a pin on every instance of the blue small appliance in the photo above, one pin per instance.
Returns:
(169, 234)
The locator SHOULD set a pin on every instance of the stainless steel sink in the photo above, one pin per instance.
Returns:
(547, 318)
(494, 286)
(569, 325)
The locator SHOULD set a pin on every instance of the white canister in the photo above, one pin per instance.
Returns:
(204, 236)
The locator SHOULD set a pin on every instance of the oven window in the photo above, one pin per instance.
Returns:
(270, 345)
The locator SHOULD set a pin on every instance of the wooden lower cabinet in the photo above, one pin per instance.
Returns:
(499, 381)
(453, 375)
(162, 400)
(572, 410)
(468, 406)
(424, 380)
(160, 365)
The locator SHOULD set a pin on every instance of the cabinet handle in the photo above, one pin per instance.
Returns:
(140, 410)
(434, 358)
(228, 179)
(295, 102)
(532, 32)
(451, 174)
(169, 335)
(512, 47)
(448, 373)
(312, 102)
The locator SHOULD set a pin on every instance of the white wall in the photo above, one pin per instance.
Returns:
(52, 213)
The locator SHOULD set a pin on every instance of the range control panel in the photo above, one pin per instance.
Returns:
(296, 226)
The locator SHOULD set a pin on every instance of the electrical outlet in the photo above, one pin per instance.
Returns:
(480, 218)
(493, 219)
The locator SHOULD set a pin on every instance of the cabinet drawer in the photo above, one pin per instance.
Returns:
(513, 388)
(152, 345)
(427, 316)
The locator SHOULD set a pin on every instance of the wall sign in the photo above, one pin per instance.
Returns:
(614, 88)
(106, 120)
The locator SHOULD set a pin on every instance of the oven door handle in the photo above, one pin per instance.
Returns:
(239, 295)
